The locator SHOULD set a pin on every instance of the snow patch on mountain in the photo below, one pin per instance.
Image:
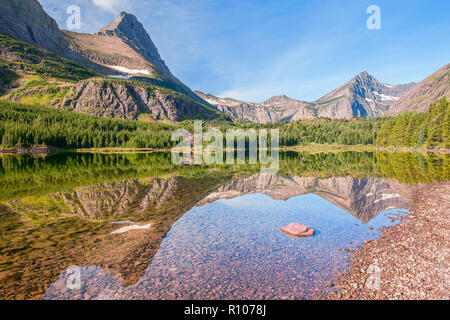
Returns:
(385, 97)
(129, 71)
(214, 102)
(119, 77)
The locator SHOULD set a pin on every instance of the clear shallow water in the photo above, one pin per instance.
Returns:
(193, 232)
(234, 249)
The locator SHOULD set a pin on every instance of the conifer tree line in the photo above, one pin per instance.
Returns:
(342, 132)
(24, 126)
(430, 129)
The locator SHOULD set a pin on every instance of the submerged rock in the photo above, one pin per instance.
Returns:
(297, 230)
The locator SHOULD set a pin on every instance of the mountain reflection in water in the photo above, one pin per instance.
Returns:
(211, 235)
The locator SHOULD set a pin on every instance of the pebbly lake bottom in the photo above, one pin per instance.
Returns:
(234, 249)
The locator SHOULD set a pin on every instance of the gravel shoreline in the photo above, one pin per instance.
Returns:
(411, 261)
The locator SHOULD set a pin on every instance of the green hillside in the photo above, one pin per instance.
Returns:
(34, 76)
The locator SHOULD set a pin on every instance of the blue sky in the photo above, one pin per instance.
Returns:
(255, 49)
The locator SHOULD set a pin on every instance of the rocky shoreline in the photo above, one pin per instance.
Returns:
(35, 150)
(417, 150)
(410, 261)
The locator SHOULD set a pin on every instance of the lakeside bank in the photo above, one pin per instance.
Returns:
(410, 261)
(312, 148)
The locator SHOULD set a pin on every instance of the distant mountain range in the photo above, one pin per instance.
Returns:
(362, 96)
(120, 74)
(275, 109)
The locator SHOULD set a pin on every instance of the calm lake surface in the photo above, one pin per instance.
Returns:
(134, 226)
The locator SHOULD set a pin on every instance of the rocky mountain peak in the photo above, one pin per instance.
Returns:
(363, 74)
(277, 100)
(367, 80)
(127, 27)
(123, 23)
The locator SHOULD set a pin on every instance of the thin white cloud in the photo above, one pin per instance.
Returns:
(113, 6)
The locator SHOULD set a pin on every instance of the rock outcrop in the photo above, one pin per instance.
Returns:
(425, 93)
(130, 100)
(26, 20)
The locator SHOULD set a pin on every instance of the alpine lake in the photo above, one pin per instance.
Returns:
(135, 226)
